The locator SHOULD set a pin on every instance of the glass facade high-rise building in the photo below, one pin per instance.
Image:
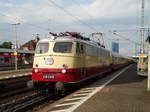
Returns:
(115, 47)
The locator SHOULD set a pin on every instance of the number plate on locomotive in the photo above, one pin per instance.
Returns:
(48, 77)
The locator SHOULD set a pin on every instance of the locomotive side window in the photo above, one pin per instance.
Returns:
(42, 48)
(63, 47)
(80, 48)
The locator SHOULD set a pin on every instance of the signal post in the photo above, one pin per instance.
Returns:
(16, 59)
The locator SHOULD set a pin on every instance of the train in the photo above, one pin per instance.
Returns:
(67, 59)
(7, 57)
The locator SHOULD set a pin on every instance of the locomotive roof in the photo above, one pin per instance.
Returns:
(89, 42)
(19, 51)
(69, 39)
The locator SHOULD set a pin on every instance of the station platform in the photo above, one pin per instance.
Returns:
(126, 93)
(14, 74)
(119, 91)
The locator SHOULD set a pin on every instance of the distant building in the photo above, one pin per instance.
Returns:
(115, 47)
(30, 45)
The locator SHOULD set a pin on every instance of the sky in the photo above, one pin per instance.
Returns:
(85, 16)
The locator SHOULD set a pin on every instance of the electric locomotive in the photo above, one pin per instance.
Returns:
(69, 59)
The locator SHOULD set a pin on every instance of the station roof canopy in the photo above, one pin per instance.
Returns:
(137, 56)
(2, 50)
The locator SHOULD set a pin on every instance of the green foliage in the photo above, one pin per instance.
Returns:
(148, 91)
(6, 45)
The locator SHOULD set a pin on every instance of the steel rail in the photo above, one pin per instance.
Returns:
(17, 91)
(18, 105)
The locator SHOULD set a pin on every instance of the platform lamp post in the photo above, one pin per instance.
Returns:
(16, 45)
(148, 86)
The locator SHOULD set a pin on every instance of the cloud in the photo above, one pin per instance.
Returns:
(6, 4)
(127, 51)
(98, 9)
(103, 15)
(29, 13)
(102, 9)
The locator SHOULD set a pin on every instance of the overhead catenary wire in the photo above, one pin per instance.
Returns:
(71, 15)
(78, 19)
(74, 17)
(16, 19)
(48, 19)
(137, 19)
(115, 33)
(148, 17)
(108, 43)
(87, 13)
(79, 5)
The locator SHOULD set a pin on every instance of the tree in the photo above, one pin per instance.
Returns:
(6, 45)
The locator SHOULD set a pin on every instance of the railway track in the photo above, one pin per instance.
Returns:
(14, 92)
(31, 101)
(12, 87)
(14, 95)
(8, 85)
(12, 74)
(34, 100)
(5, 68)
(19, 104)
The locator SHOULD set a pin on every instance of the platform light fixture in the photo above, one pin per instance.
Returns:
(16, 44)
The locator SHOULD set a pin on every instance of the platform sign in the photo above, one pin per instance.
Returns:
(141, 55)
(15, 46)
(143, 52)
(15, 53)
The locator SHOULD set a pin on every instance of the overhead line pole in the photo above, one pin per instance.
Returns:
(142, 31)
(16, 46)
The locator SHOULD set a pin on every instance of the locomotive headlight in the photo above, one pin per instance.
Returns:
(53, 37)
(36, 70)
(49, 61)
(63, 71)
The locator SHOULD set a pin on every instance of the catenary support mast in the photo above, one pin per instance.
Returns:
(142, 29)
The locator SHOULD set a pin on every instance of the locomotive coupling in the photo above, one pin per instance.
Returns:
(59, 86)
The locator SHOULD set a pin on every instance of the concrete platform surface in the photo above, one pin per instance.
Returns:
(13, 74)
(126, 93)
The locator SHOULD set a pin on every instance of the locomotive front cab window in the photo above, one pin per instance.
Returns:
(63, 47)
(42, 48)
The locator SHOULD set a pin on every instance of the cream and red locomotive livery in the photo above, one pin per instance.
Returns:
(65, 59)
